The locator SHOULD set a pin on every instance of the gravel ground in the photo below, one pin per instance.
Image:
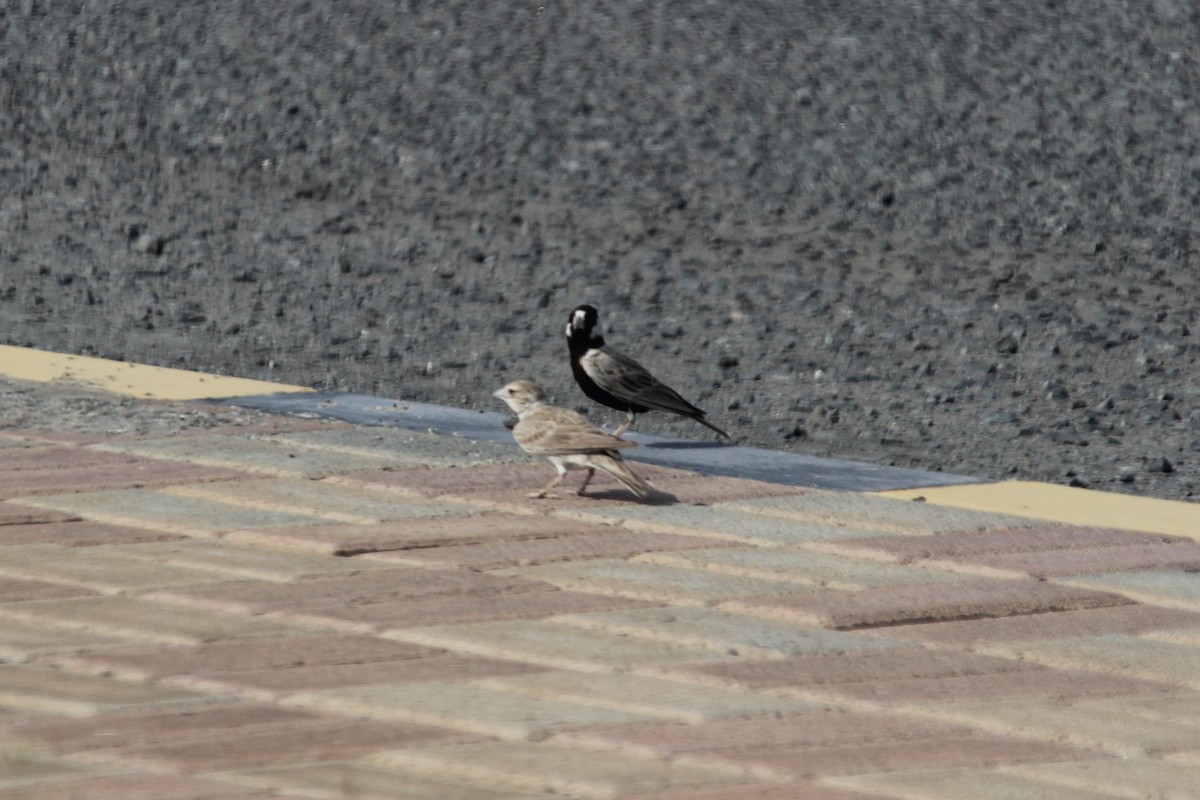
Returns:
(956, 236)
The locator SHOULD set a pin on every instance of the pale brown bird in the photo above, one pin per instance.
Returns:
(566, 438)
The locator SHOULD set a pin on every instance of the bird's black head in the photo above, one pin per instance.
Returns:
(583, 327)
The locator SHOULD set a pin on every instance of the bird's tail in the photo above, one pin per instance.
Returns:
(616, 467)
(708, 424)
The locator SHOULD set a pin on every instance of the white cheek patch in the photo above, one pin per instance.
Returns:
(570, 327)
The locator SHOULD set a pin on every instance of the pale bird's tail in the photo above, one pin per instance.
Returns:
(617, 468)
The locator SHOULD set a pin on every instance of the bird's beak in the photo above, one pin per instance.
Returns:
(499, 393)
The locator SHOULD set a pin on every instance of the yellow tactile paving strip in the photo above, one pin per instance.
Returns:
(1066, 504)
(132, 380)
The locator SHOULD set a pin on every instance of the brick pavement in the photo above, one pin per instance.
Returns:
(317, 610)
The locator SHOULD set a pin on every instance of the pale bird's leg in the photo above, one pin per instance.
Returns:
(624, 426)
(544, 491)
(586, 479)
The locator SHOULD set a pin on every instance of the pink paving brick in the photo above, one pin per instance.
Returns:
(134, 787)
(63, 736)
(507, 486)
(266, 669)
(132, 475)
(1183, 555)
(57, 458)
(1051, 684)
(216, 738)
(16, 590)
(831, 743)
(413, 534)
(54, 437)
(928, 602)
(327, 739)
(1126, 620)
(81, 534)
(368, 588)
(961, 544)
(871, 666)
(610, 542)
(379, 601)
(271, 685)
(793, 790)
(282, 653)
(16, 514)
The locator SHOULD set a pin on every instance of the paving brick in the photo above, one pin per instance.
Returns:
(955, 784)
(823, 743)
(654, 582)
(444, 525)
(355, 780)
(29, 483)
(792, 790)
(278, 653)
(556, 646)
(372, 587)
(533, 766)
(324, 739)
(17, 514)
(1108, 730)
(1132, 656)
(274, 685)
(671, 487)
(133, 787)
(506, 487)
(802, 673)
(907, 604)
(42, 689)
(1021, 541)
(1051, 684)
(724, 632)
(468, 597)
(81, 534)
(31, 776)
(1127, 777)
(1058, 563)
(802, 566)
(327, 500)
(463, 707)
(57, 457)
(96, 568)
(224, 737)
(16, 590)
(22, 641)
(232, 561)
(604, 543)
(881, 513)
(1175, 708)
(164, 512)
(719, 522)
(143, 621)
(1127, 619)
(1174, 589)
(642, 695)
(417, 449)
(251, 454)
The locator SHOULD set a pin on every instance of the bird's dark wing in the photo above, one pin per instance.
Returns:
(622, 377)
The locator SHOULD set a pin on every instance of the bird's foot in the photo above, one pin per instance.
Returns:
(541, 495)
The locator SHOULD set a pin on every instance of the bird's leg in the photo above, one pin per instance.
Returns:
(624, 426)
(586, 479)
(545, 490)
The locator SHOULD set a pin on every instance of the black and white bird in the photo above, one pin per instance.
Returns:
(566, 439)
(616, 380)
